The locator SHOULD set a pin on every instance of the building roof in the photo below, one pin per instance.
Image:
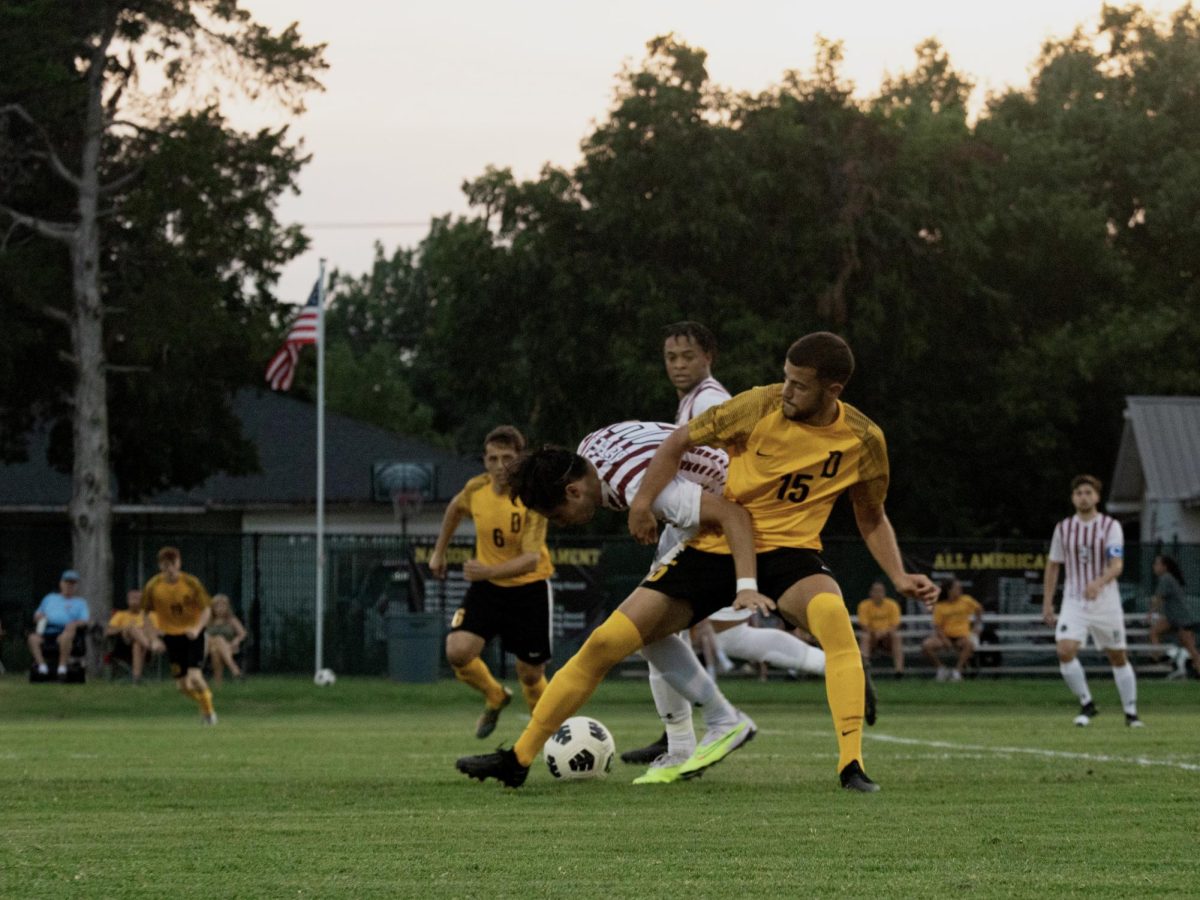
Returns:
(283, 429)
(1159, 455)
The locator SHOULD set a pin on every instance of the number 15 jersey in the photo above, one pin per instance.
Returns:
(504, 530)
(788, 474)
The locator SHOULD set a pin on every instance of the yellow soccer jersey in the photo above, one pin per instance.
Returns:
(788, 474)
(123, 618)
(504, 530)
(177, 606)
(882, 617)
(953, 617)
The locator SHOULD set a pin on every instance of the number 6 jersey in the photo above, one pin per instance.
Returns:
(788, 474)
(504, 530)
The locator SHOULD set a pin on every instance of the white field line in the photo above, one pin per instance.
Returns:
(1034, 751)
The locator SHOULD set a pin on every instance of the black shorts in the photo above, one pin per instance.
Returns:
(184, 653)
(708, 582)
(520, 615)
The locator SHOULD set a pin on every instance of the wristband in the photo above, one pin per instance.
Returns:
(747, 584)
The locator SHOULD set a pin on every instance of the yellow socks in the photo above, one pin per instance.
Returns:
(533, 692)
(571, 686)
(829, 621)
(202, 698)
(476, 674)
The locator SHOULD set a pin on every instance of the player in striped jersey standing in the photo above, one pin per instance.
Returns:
(1090, 546)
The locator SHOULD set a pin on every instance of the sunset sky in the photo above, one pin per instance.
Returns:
(423, 95)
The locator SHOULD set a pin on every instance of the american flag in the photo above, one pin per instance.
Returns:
(282, 367)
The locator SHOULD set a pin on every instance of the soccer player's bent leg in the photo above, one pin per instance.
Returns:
(574, 683)
(816, 603)
(462, 652)
(533, 681)
(675, 711)
(772, 646)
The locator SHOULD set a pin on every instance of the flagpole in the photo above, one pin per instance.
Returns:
(320, 661)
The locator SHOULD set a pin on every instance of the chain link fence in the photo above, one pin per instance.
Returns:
(271, 579)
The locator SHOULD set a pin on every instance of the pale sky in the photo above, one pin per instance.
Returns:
(423, 94)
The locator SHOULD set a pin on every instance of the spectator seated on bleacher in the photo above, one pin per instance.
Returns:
(879, 619)
(226, 634)
(131, 641)
(957, 620)
(60, 633)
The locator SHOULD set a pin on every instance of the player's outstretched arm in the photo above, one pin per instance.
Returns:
(738, 529)
(880, 538)
(663, 467)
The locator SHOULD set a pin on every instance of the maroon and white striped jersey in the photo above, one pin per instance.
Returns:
(707, 393)
(1084, 549)
(622, 452)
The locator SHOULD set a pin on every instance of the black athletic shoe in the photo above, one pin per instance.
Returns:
(853, 778)
(1087, 712)
(643, 756)
(501, 765)
(489, 717)
(1133, 721)
(872, 698)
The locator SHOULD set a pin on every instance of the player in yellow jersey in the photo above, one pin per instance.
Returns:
(181, 608)
(879, 618)
(793, 449)
(510, 594)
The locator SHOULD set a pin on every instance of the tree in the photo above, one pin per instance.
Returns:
(132, 190)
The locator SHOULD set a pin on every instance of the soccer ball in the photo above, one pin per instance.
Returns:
(581, 748)
(324, 677)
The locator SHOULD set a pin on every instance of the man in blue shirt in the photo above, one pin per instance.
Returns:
(58, 617)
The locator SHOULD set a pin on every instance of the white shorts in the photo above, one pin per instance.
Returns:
(729, 614)
(1107, 629)
(678, 508)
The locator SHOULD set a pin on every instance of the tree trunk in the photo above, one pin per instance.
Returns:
(91, 495)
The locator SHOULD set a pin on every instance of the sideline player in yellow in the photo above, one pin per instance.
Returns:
(181, 608)
(793, 450)
(879, 618)
(510, 593)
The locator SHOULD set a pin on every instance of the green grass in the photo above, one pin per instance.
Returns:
(114, 791)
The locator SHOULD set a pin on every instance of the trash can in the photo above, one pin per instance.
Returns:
(414, 644)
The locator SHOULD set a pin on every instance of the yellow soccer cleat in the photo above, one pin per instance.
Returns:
(715, 747)
(664, 770)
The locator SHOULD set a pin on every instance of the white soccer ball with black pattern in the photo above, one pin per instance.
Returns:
(582, 748)
(324, 678)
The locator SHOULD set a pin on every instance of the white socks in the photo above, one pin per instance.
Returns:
(772, 646)
(682, 671)
(1127, 687)
(676, 713)
(1073, 675)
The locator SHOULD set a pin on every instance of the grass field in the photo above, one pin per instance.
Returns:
(113, 791)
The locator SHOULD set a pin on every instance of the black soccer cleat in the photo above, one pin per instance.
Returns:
(1132, 721)
(489, 717)
(871, 700)
(501, 765)
(853, 778)
(643, 756)
(1087, 712)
